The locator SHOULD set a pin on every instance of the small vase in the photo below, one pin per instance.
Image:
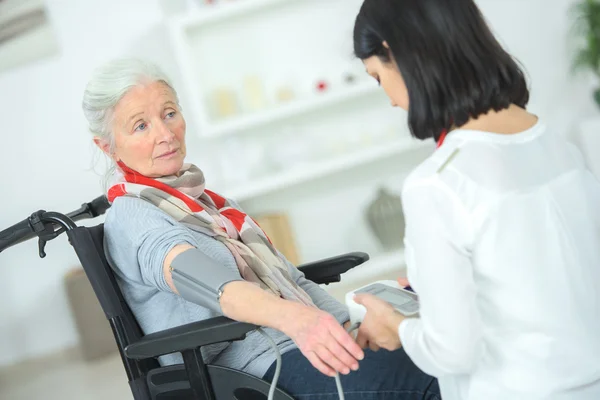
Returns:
(386, 219)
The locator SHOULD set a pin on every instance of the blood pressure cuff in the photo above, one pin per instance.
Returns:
(200, 279)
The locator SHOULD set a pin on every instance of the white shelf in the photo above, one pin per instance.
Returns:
(212, 14)
(290, 110)
(305, 173)
(386, 263)
(210, 29)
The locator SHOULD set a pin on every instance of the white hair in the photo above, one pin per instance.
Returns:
(107, 86)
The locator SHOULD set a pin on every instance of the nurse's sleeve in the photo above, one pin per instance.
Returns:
(446, 337)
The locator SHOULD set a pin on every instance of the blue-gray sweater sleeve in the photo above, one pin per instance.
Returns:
(320, 297)
(141, 234)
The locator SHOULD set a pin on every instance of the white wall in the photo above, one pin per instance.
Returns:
(42, 125)
(536, 33)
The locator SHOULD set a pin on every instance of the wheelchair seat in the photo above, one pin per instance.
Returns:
(193, 379)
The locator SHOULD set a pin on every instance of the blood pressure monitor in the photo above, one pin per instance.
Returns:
(404, 301)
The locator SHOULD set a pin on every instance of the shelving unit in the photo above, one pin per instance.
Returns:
(293, 109)
(302, 174)
(212, 14)
(216, 46)
(224, 42)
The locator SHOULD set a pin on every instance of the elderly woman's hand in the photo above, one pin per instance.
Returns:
(323, 341)
(380, 325)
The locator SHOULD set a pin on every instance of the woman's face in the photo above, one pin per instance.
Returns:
(389, 78)
(149, 131)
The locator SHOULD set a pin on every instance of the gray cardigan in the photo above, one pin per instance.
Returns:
(138, 237)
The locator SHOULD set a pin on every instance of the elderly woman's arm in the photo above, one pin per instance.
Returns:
(317, 333)
(320, 297)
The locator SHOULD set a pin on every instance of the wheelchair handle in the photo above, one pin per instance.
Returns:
(94, 208)
(48, 225)
(16, 234)
(99, 205)
(42, 224)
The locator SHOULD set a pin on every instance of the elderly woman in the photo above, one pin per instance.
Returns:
(161, 209)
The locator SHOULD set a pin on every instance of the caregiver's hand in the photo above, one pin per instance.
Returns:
(403, 282)
(380, 325)
(322, 340)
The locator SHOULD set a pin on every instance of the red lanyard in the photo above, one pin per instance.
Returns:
(442, 138)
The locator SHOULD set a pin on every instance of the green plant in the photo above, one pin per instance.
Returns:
(586, 26)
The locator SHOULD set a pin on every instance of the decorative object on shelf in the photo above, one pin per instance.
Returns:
(322, 86)
(278, 228)
(386, 219)
(253, 93)
(284, 94)
(225, 103)
(349, 78)
(586, 29)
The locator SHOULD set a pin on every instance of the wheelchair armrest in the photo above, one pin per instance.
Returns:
(188, 336)
(329, 270)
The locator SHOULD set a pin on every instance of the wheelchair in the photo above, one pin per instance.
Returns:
(147, 379)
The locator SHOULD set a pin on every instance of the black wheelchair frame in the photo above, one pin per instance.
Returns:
(147, 379)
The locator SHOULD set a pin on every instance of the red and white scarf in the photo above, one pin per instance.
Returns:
(183, 196)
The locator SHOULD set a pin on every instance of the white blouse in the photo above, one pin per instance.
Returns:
(503, 249)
